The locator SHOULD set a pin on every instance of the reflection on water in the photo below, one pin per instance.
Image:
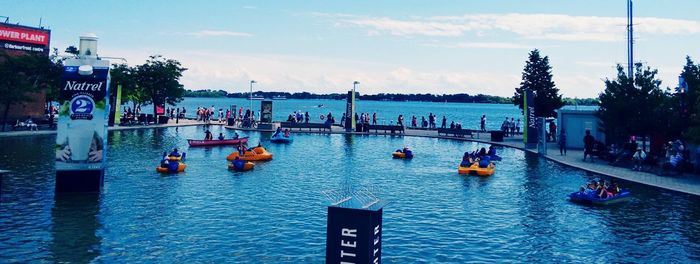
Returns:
(276, 213)
(73, 226)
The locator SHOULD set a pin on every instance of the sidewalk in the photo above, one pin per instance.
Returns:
(574, 158)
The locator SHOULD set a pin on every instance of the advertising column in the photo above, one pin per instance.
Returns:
(354, 235)
(81, 140)
(266, 111)
(350, 112)
(530, 125)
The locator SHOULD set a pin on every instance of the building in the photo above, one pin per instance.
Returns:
(18, 40)
(575, 120)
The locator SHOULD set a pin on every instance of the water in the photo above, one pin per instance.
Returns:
(467, 114)
(276, 213)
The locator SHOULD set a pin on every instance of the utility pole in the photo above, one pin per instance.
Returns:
(630, 41)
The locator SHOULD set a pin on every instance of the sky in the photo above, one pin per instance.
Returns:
(408, 46)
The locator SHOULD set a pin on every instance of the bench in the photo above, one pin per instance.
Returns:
(300, 126)
(392, 128)
(457, 132)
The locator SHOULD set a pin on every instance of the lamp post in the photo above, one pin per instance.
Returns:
(250, 96)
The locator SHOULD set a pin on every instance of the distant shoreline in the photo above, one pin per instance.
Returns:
(466, 99)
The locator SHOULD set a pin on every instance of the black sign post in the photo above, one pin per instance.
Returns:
(354, 235)
(530, 129)
(354, 230)
(350, 112)
(266, 111)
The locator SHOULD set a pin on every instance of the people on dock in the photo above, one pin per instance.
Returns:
(588, 142)
(483, 123)
(562, 142)
(639, 157)
(221, 136)
(208, 135)
(553, 131)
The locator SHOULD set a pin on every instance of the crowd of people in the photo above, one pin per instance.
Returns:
(509, 127)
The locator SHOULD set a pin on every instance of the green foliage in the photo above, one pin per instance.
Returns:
(53, 76)
(21, 75)
(72, 50)
(159, 81)
(581, 101)
(537, 77)
(206, 93)
(634, 107)
(691, 74)
(124, 75)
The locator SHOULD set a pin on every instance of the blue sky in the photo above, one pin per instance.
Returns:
(389, 46)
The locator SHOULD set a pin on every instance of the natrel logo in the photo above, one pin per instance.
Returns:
(82, 86)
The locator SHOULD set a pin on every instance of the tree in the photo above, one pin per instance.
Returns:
(691, 75)
(122, 74)
(52, 84)
(537, 77)
(159, 81)
(634, 106)
(20, 75)
(72, 50)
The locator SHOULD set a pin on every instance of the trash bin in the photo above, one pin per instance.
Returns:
(163, 119)
(231, 121)
(497, 136)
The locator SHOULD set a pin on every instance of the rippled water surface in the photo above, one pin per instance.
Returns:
(277, 212)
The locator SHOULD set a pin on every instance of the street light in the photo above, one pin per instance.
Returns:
(353, 86)
(250, 98)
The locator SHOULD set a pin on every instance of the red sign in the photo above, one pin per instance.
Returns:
(24, 35)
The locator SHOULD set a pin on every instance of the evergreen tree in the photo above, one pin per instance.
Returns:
(159, 81)
(636, 106)
(691, 100)
(537, 77)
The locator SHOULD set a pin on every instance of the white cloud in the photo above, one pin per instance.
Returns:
(529, 26)
(478, 45)
(215, 33)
